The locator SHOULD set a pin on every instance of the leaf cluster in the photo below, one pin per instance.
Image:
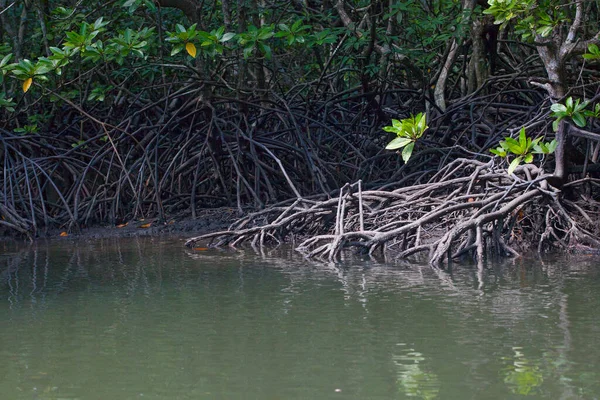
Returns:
(407, 131)
(211, 42)
(575, 110)
(82, 43)
(524, 149)
(593, 52)
(255, 39)
(533, 17)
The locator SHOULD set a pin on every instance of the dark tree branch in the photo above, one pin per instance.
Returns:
(189, 7)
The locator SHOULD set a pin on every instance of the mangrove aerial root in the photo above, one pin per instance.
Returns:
(467, 208)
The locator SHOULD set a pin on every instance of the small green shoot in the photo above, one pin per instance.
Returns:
(407, 131)
(593, 52)
(571, 109)
(524, 149)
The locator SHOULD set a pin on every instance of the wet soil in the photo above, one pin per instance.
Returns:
(210, 220)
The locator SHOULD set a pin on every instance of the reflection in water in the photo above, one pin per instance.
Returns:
(412, 379)
(522, 375)
(146, 318)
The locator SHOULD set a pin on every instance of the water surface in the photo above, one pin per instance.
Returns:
(149, 319)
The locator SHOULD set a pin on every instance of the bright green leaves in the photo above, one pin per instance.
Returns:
(533, 18)
(593, 52)
(524, 149)
(85, 45)
(212, 43)
(59, 58)
(571, 109)
(28, 72)
(407, 131)
(505, 10)
(78, 41)
(114, 49)
(125, 43)
(407, 146)
(181, 37)
(255, 42)
(595, 113)
(545, 25)
(398, 143)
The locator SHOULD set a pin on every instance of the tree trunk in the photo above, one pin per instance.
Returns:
(554, 64)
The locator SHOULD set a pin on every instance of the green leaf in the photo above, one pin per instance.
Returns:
(227, 37)
(558, 108)
(579, 119)
(265, 33)
(398, 143)
(296, 25)
(555, 124)
(177, 49)
(266, 50)
(407, 152)
(513, 165)
(248, 51)
(552, 146)
(533, 143)
(421, 123)
(499, 151)
(544, 31)
(5, 60)
(569, 103)
(528, 158)
(513, 146)
(522, 139)
(579, 107)
(588, 56)
(540, 149)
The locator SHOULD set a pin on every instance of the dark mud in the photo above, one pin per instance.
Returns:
(207, 221)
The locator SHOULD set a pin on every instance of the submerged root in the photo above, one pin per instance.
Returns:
(467, 208)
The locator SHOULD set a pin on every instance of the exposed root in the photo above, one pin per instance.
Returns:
(467, 208)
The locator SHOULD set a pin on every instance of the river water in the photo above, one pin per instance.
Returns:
(149, 319)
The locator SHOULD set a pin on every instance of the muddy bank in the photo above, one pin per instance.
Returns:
(207, 221)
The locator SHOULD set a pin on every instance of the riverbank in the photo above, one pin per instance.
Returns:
(206, 221)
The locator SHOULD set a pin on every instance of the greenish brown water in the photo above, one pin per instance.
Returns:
(148, 319)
